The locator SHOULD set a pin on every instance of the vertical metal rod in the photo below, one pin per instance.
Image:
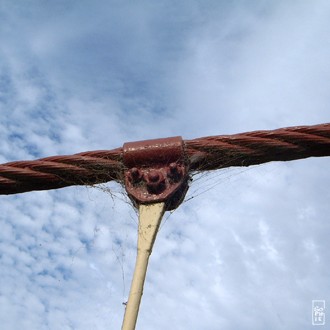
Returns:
(150, 216)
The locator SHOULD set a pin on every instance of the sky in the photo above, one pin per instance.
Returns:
(249, 247)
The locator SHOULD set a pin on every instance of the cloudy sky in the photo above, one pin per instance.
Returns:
(249, 248)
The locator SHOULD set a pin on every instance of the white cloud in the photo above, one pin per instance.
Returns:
(249, 250)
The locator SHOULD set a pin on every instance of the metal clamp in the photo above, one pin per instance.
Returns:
(156, 171)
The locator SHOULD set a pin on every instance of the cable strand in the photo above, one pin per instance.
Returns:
(258, 147)
(203, 154)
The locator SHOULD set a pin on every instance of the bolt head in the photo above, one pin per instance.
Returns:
(135, 175)
(155, 182)
(153, 176)
(174, 172)
(173, 168)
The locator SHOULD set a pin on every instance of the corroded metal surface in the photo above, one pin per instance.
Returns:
(202, 154)
(156, 171)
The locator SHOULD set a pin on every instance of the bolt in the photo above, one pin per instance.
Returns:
(153, 176)
(173, 168)
(174, 172)
(155, 182)
(135, 175)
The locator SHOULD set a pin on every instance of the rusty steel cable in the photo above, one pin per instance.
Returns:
(202, 154)
(251, 148)
(60, 171)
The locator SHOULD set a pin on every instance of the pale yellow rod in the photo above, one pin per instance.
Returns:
(150, 217)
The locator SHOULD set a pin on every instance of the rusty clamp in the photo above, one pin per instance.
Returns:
(156, 171)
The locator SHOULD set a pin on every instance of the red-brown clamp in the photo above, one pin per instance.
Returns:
(156, 171)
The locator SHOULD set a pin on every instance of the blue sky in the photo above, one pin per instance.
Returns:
(249, 247)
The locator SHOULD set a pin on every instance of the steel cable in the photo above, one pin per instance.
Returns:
(245, 149)
(60, 171)
(203, 154)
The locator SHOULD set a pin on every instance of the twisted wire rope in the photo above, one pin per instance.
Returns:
(251, 148)
(203, 154)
